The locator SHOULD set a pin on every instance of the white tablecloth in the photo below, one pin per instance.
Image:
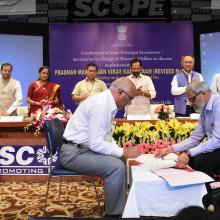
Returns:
(150, 195)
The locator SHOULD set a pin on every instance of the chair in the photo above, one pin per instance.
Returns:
(54, 135)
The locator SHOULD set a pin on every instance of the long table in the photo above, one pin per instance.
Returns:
(18, 153)
(12, 133)
(17, 147)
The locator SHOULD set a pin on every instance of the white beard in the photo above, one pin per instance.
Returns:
(200, 107)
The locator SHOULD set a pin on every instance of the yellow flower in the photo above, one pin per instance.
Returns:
(146, 132)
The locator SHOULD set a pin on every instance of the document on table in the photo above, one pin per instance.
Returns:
(181, 177)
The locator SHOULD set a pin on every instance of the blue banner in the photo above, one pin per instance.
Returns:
(25, 160)
(111, 46)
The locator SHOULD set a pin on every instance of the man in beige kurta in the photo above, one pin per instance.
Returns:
(89, 86)
(10, 92)
(145, 90)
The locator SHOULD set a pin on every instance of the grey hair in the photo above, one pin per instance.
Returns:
(197, 86)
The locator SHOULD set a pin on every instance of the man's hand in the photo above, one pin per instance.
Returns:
(163, 152)
(85, 96)
(131, 152)
(139, 91)
(183, 161)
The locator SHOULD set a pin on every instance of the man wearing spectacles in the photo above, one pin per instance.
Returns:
(145, 89)
(90, 128)
(199, 154)
(182, 106)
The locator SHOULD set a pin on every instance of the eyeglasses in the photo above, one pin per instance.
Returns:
(192, 99)
(130, 97)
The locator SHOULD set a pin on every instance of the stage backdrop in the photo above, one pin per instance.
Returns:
(111, 46)
(25, 53)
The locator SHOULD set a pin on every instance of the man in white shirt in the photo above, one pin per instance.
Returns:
(145, 89)
(89, 147)
(10, 92)
(182, 106)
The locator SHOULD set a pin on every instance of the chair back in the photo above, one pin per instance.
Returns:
(54, 134)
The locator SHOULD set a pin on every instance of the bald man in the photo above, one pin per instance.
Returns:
(89, 147)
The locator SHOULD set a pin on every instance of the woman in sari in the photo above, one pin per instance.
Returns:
(42, 92)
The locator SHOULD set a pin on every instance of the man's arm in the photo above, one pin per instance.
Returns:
(193, 141)
(18, 99)
(213, 141)
(104, 87)
(151, 90)
(76, 94)
(186, 145)
(99, 131)
(100, 140)
(148, 92)
(79, 98)
(175, 89)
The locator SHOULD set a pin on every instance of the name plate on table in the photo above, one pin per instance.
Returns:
(195, 116)
(139, 117)
(11, 118)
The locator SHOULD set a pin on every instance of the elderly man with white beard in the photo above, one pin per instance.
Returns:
(201, 150)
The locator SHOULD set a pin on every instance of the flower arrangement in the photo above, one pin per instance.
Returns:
(163, 111)
(48, 113)
(148, 133)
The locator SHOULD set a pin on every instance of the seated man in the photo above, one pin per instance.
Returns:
(89, 86)
(199, 154)
(89, 147)
(145, 90)
(10, 92)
